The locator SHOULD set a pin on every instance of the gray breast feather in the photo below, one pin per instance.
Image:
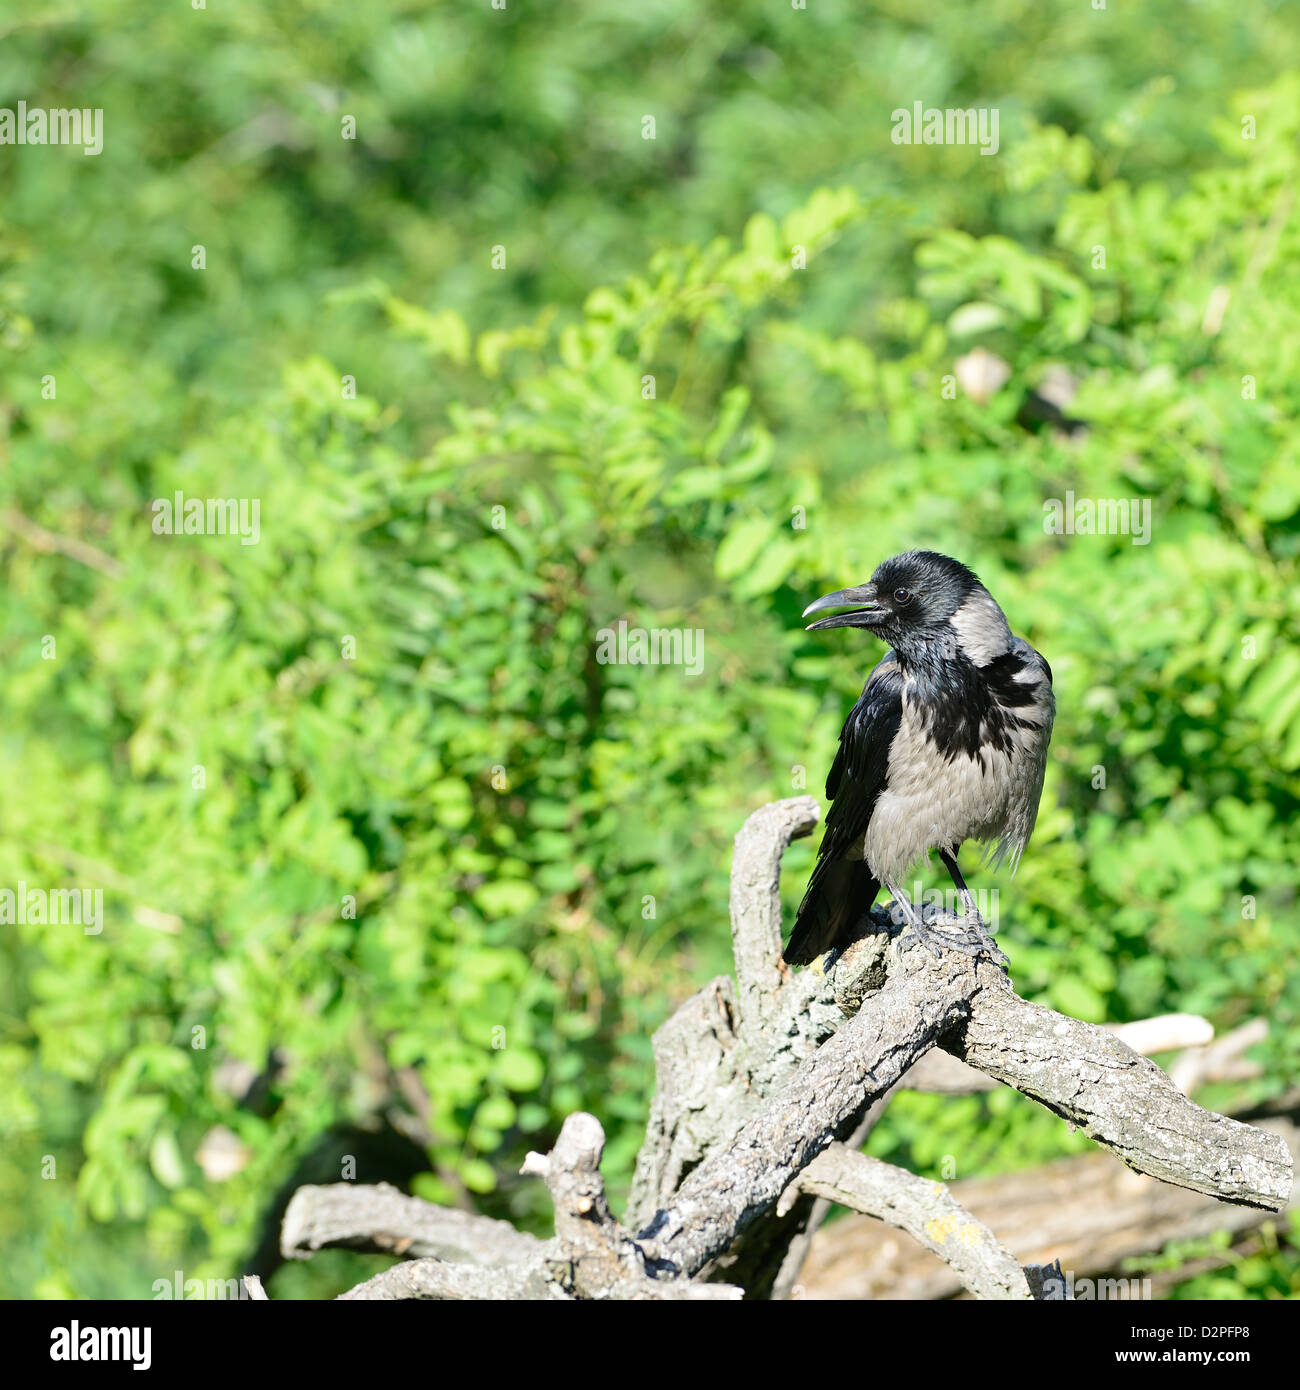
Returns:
(930, 801)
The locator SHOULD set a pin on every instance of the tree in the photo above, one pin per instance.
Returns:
(765, 1088)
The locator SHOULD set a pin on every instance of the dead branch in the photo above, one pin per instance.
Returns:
(51, 543)
(1221, 1060)
(756, 901)
(944, 1074)
(1087, 1076)
(758, 1080)
(926, 1210)
(1089, 1211)
(433, 1279)
(922, 999)
(382, 1219)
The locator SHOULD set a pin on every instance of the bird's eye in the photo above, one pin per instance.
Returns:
(902, 595)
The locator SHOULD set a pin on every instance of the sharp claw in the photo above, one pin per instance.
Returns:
(976, 944)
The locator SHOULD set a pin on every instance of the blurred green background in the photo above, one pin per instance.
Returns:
(536, 843)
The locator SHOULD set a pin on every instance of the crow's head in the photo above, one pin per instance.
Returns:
(918, 601)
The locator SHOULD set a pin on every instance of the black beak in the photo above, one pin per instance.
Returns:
(866, 611)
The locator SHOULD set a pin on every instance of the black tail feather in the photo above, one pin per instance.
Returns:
(839, 893)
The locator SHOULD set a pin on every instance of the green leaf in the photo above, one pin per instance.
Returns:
(742, 545)
(520, 1069)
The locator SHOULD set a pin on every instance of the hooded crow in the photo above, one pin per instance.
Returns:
(948, 743)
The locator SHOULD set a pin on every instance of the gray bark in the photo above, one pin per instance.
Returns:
(1089, 1077)
(926, 1210)
(757, 1081)
(1092, 1212)
(381, 1218)
(921, 1000)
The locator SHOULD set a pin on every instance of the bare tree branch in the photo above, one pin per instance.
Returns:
(1090, 1211)
(591, 1257)
(1089, 1077)
(51, 543)
(926, 1210)
(757, 1081)
(433, 1279)
(922, 999)
(601, 1260)
(786, 1281)
(1222, 1060)
(944, 1074)
(756, 900)
(381, 1218)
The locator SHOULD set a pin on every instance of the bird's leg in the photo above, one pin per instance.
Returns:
(968, 898)
(934, 940)
(978, 930)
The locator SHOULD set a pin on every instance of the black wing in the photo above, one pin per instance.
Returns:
(842, 887)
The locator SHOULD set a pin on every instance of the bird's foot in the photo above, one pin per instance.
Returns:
(975, 941)
(988, 949)
(979, 935)
(933, 941)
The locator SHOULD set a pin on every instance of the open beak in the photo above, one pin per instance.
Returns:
(862, 600)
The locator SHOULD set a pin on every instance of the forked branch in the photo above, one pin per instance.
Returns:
(757, 1084)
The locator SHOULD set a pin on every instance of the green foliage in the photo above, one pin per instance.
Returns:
(1269, 1267)
(434, 837)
